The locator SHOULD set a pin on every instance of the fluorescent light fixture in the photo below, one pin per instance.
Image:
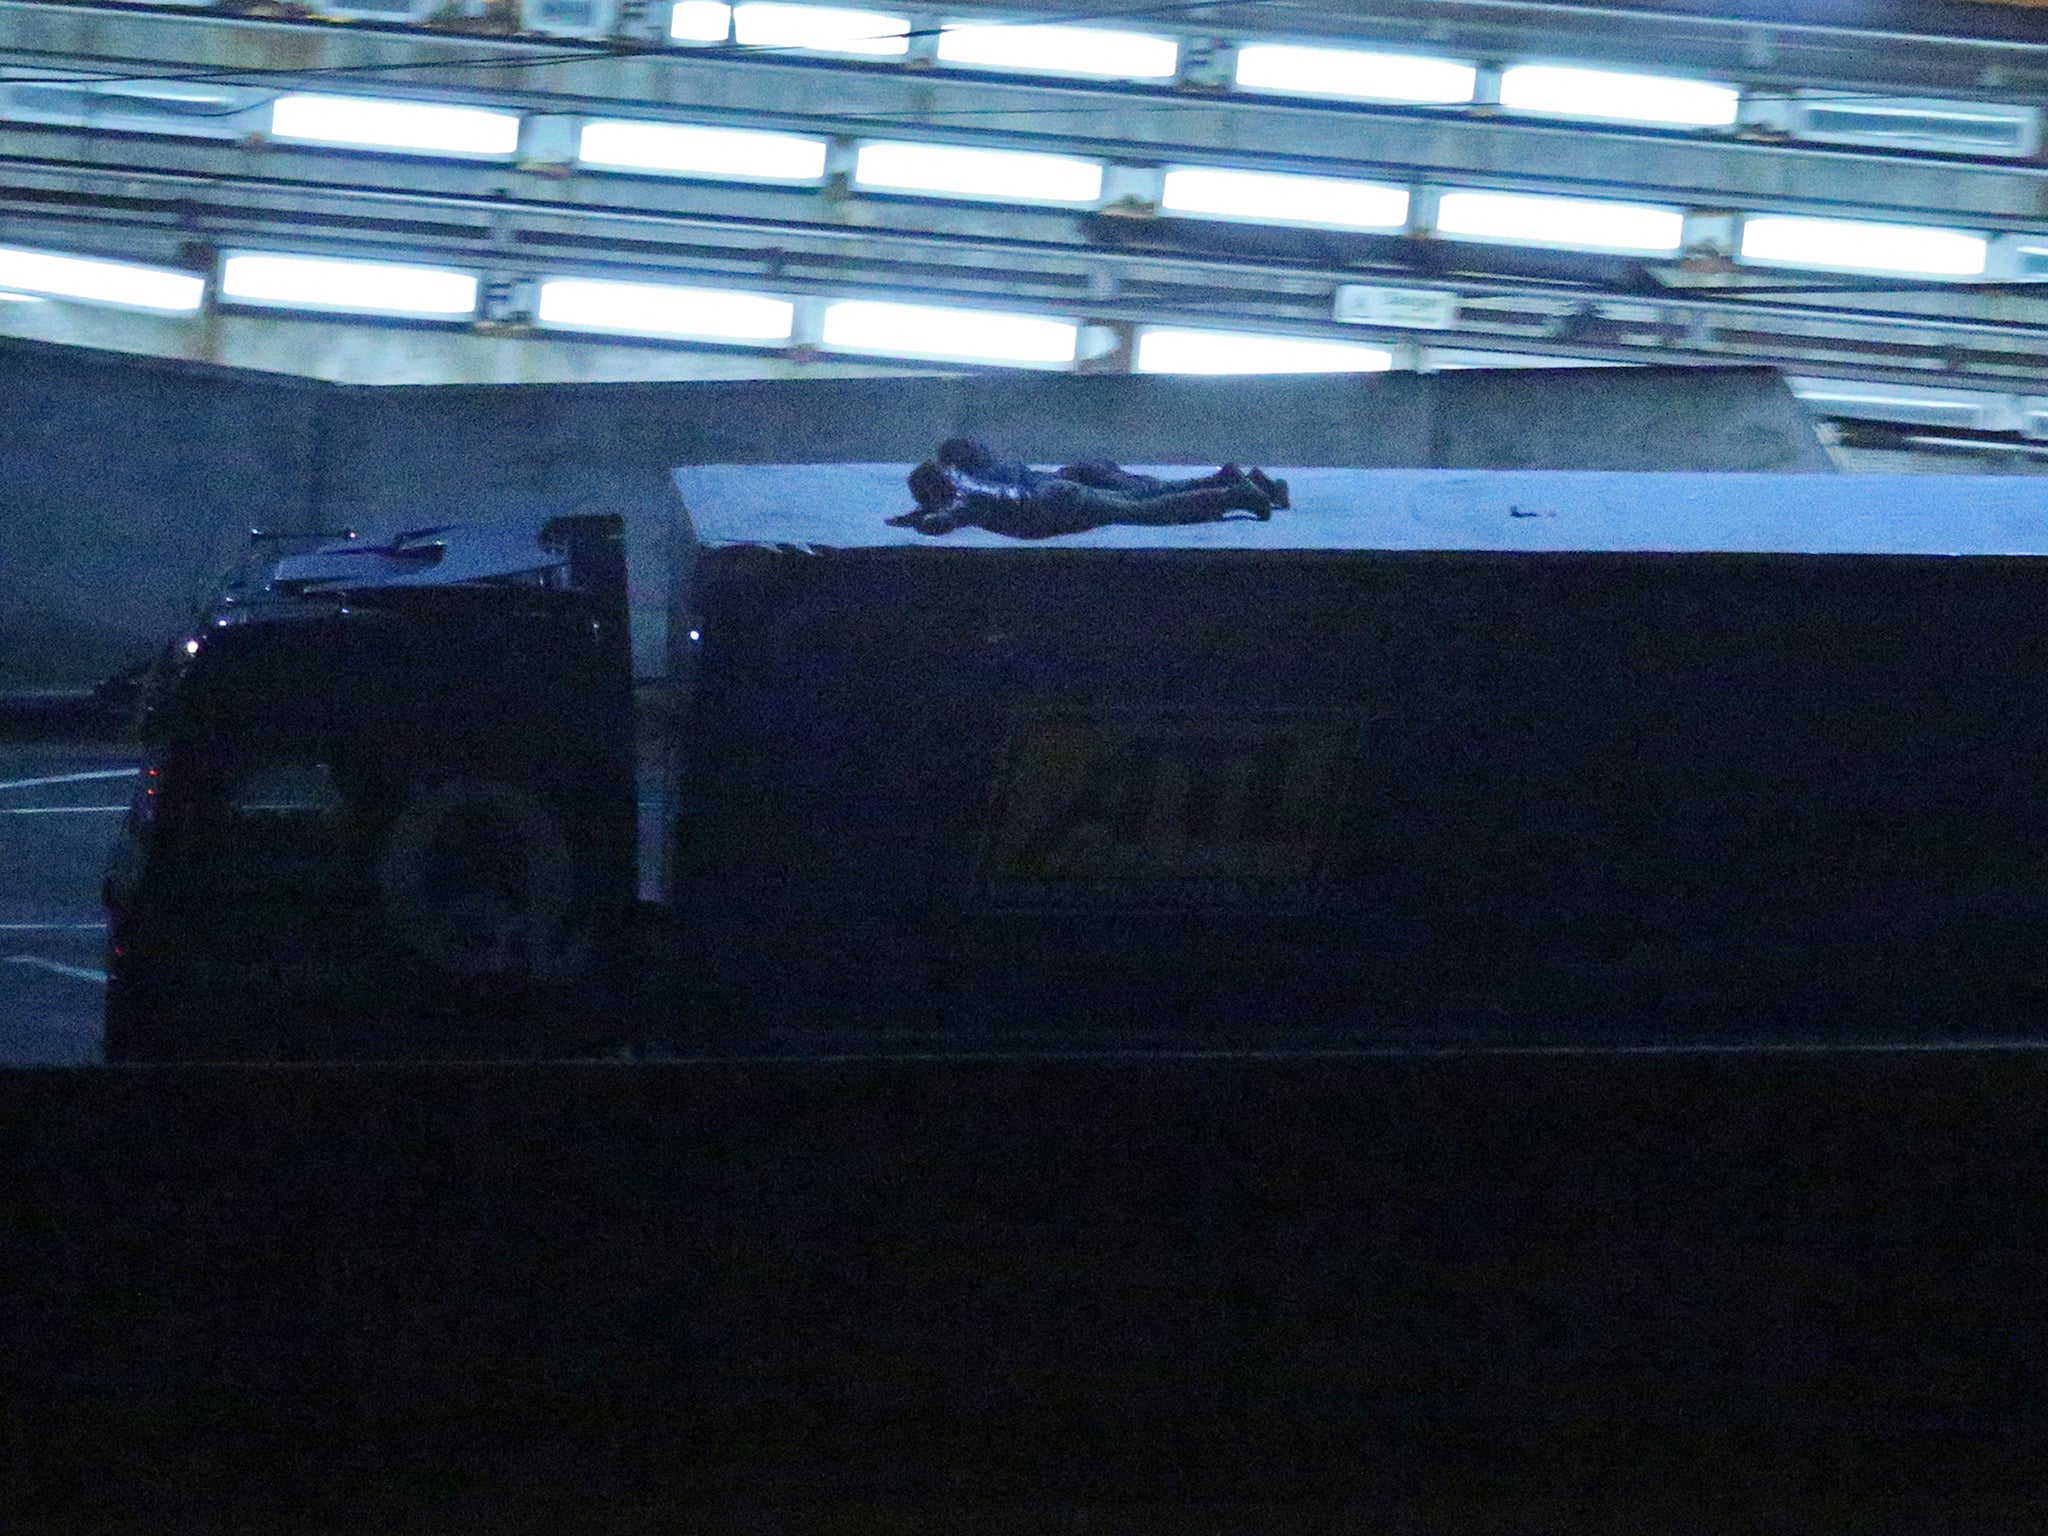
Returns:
(1174, 351)
(18, 298)
(362, 122)
(955, 171)
(1354, 75)
(955, 335)
(1606, 94)
(1449, 359)
(390, 12)
(47, 275)
(821, 29)
(1562, 221)
(699, 21)
(1854, 247)
(1841, 397)
(1276, 199)
(1917, 122)
(137, 106)
(353, 287)
(677, 149)
(1061, 51)
(652, 309)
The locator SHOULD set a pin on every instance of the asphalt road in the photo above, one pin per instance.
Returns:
(60, 813)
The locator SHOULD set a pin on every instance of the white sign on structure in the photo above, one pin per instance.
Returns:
(1421, 309)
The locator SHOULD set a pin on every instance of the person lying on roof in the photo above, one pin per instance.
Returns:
(965, 485)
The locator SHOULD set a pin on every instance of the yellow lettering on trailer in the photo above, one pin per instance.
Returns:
(1177, 810)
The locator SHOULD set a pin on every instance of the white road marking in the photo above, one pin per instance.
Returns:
(71, 778)
(58, 810)
(75, 972)
(53, 927)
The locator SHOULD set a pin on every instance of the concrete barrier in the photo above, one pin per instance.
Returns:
(132, 481)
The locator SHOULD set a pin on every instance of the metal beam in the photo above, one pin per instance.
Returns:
(1841, 53)
(1065, 275)
(493, 216)
(350, 352)
(1844, 52)
(1122, 122)
(180, 200)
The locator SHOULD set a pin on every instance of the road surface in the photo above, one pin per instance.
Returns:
(60, 813)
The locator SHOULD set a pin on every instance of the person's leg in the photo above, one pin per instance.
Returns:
(1060, 506)
(1104, 475)
(1228, 475)
(1203, 505)
(1068, 507)
(1108, 476)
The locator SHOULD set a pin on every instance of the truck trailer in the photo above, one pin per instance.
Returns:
(1431, 759)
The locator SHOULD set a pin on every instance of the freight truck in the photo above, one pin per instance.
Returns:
(1430, 759)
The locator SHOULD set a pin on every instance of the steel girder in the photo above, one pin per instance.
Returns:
(175, 199)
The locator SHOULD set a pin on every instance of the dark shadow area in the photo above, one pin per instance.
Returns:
(585, 1297)
(107, 712)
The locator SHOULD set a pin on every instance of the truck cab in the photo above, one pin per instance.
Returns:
(387, 804)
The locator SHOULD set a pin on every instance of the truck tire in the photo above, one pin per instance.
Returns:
(479, 880)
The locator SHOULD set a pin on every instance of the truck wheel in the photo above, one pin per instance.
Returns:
(479, 880)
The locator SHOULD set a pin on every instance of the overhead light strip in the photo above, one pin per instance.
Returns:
(1842, 245)
(1455, 359)
(1608, 96)
(654, 309)
(1879, 402)
(821, 29)
(949, 335)
(136, 106)
(677, 149)
(1910, 122)
(408, 127)
(49, 274)
(1166, 349)
(1057, 50)
(347, 286)
(1003, 175)
(699, 21)
(1350, 74)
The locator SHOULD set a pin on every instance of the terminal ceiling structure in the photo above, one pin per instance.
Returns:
(413, 191)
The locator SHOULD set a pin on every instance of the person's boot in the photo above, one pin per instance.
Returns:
(1245, 494)
(1276, 490)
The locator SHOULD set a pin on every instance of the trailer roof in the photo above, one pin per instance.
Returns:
(845, 506)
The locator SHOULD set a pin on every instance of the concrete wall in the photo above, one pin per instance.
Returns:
(124, 483)
(478, 447)
(128, 480)
(1640, 418)
(423, 454)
